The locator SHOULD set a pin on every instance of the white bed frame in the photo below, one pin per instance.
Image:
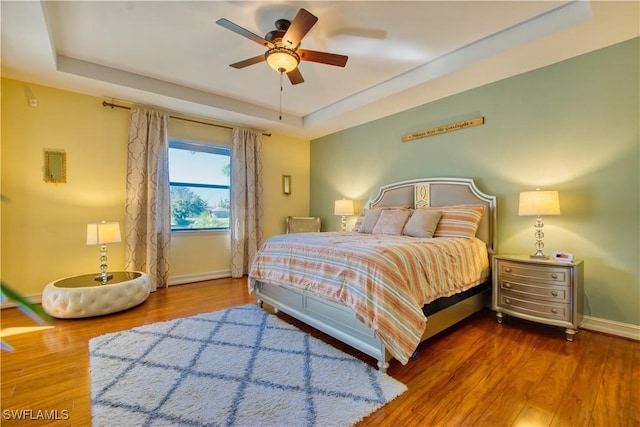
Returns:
(339, 321)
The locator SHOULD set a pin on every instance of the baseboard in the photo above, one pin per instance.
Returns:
(34, 299)
(198, 277)
(611, 327)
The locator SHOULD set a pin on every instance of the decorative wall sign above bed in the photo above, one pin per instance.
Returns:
(443, 129)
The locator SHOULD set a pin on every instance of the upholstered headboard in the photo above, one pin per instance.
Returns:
(436, 192)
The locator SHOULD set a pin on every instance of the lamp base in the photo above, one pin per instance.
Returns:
(538, 256)
(103, 279)
(539, 236)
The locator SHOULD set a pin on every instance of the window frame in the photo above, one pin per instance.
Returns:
(180, 144)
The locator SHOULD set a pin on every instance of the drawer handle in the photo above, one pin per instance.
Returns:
(554, 293)
(554, 276)
(507, 300)
(507, 285)
(507, 269)
(554, 311)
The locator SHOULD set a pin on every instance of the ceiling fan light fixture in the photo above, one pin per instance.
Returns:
(282, 59)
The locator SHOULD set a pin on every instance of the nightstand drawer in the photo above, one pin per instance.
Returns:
(540, 291)
(532, 308)
(556, 275)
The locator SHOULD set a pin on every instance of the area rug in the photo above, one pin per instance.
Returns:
(236, 367)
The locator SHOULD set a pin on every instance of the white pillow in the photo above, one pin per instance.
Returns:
(369, 221)
(422, 223)
(391, 222)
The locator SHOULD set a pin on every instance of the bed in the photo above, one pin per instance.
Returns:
(380, 292)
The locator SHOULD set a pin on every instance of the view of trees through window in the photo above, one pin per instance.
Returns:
(199, 177)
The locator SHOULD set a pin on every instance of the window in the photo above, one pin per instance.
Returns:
(199, 186)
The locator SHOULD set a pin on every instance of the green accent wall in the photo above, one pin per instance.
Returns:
(571, 126)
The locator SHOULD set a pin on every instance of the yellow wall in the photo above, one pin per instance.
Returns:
(284, 155)
(43, 225)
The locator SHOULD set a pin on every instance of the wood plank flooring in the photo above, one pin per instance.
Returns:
(477, 373)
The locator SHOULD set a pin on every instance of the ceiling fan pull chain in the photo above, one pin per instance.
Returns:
(281, 73)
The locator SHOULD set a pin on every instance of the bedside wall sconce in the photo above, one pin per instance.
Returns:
(286, 184)
(539, 203)
(343, 207)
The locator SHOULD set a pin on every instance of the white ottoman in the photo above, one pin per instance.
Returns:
(82, 296)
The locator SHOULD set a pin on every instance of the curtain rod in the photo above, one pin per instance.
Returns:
(109, 104)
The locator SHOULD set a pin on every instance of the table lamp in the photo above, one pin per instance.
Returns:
(343, 207)
(102, 234)
(539, 203)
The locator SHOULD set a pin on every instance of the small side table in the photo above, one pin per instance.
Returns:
(83, 296)
(544, 291)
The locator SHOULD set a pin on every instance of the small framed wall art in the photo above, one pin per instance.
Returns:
(55, 166)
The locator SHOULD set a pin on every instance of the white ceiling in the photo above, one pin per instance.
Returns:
(173, 56)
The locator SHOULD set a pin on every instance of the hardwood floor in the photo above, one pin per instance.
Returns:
(477, 373)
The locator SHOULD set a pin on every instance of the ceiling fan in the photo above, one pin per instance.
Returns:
(283, 54)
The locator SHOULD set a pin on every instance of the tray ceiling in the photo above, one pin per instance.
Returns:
(173, 56)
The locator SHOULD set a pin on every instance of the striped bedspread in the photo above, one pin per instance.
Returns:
(384, 279)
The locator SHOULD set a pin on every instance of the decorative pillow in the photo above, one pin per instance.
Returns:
(373, 218)
(391, 221)
(422, 223)
(369, 220)
(458, 220)
(360, 219)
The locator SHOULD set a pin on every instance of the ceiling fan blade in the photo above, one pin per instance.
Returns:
(295, 76)
(243, 32)
(299, 27)
(247, 62)
(322, 57)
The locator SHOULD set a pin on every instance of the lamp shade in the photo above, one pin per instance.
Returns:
(103, 233)
(539, 203)
(343, 207)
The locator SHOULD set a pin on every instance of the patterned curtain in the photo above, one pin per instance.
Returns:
(246, 198)
(148, 209)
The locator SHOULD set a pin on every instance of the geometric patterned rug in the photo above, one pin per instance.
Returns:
(236, 367)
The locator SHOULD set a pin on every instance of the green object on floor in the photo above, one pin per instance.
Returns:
(32, 310)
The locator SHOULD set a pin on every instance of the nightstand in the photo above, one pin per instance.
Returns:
(544, 291)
